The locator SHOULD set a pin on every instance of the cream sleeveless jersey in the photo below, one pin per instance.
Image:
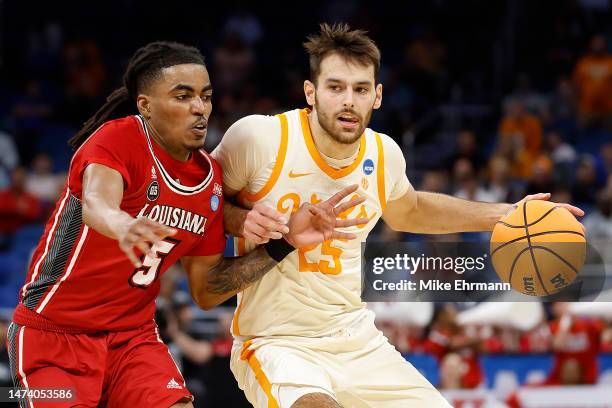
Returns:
(315, 291)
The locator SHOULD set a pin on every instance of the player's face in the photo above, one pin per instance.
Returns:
(178, 106)
(344, 97)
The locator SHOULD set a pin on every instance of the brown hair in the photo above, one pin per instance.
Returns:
(354, 45)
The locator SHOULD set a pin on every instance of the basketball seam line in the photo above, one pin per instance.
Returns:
(537, 234)
(531, 224)
(538, 247)
(535, 264)
(558, 256)
(516, 258)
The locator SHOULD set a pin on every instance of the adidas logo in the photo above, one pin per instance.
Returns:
(173, 384)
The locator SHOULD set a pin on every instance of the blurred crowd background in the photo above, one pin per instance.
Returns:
(489, 100)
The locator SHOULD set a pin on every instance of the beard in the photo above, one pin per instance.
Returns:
(329, 124)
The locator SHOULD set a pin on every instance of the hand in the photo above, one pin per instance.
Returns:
(577, 212)
(262, 224)
(141, 233)
(313, 224)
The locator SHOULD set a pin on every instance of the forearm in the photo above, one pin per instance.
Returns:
(102, 217)
(441, 214)
(232, 275)
(233, 218)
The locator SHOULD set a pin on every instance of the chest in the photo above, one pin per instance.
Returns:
(189, 209)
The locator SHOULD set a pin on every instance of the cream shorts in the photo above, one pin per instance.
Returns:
(357, 367)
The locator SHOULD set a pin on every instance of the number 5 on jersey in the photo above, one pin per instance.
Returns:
(147, 273)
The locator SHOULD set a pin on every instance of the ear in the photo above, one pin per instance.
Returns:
(378, 98)
(310, 92)
(144, 106)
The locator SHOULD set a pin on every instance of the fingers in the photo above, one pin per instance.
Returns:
(350, 204)
(322, 218)
(269, 213)
(340, 195)
(143, 233)
(267, 230)
(352, 222)
(254, 238)
(538, 196)
(577, 212)
(151, 233)
(129, 252)
(259, 234)
(265, 223)
(154, 230)
(342, 235)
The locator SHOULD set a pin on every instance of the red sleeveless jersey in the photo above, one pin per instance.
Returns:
(80, 279)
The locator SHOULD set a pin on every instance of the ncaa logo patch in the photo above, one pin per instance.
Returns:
(153, 191)
(368, 167)
(214, 202)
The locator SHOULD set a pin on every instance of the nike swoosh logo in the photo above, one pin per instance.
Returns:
(295, 175)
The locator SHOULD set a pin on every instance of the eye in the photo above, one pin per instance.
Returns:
(362, 90)
(334, 88)
(182, 97)
(207, 98)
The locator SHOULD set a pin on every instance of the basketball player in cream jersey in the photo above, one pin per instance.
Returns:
(303, 337)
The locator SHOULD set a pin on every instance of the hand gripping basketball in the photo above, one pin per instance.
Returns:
(539, 247)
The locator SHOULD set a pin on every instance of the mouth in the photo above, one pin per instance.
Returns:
(348, 121)
(200, 129)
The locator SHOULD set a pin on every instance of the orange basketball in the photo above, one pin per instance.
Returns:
(539, 248)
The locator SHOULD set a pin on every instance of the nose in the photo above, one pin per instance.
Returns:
(198, 107)
(347, 101)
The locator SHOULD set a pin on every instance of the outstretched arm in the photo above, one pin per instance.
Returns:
(432, 213)
(101, 197)
(214, 279)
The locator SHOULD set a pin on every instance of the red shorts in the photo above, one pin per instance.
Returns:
(131, 368)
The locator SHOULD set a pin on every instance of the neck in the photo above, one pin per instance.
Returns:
(326, 144)
(175, 152)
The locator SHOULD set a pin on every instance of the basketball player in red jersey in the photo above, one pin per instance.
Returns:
(140, 194)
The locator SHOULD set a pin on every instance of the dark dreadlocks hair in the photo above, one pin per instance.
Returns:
(144, 67)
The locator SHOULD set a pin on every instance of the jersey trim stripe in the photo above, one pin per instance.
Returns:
(73, 260)
(261, 377)
(19, 366)
(20, 352)
(240, 245)
(173, 185)
(159, 339)
(278, 166)
(47, 244)
(61, 246)
(314, 153)
(12, 340)
(380, 173)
